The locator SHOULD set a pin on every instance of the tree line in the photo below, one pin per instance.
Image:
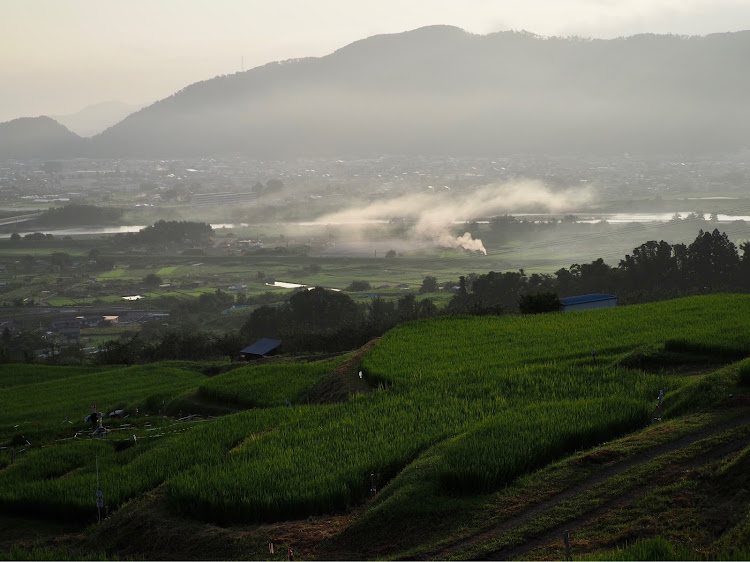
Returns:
(320, 320)
(165, 232)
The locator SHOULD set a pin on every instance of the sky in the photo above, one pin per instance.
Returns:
(59, 56)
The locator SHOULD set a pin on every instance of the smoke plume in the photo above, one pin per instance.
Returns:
(433, 215)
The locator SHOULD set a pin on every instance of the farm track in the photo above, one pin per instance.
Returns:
(520, 519)
(344, 380)
(555, 534)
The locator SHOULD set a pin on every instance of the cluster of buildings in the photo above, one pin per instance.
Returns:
(68, 329)
(235, 180)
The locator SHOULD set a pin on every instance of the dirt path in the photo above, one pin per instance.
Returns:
(344, 380)
(555, 534)
(536, 510)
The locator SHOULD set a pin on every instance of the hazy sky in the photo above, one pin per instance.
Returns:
(58, 56)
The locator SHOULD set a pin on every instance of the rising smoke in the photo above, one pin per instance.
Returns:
(434, 214)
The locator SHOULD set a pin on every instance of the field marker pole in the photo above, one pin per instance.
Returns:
(99, 500)
(657, 413)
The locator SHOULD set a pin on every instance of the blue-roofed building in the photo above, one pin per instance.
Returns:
(588, 302)
(261, 348)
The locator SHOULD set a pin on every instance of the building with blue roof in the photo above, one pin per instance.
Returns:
(588, 302)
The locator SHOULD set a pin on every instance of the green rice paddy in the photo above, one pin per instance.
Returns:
(500, 397)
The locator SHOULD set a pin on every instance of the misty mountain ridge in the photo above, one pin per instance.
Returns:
(441, 90)
(34, 137)
(95, 118)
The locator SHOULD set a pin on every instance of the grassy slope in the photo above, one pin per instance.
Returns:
(530, 359)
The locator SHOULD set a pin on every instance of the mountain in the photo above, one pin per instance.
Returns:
(38, 137)
(442, 90)
(93, 119)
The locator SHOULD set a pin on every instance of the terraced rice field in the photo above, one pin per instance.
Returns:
(500, 397)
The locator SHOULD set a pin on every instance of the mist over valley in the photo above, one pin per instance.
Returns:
(433, 295)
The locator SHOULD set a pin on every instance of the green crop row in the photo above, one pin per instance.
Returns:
(267, 386)
(441, 347)
(523, 439)
(18, 375)
(60, 480)
(503, 395)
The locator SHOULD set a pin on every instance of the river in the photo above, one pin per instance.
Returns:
(615, 218)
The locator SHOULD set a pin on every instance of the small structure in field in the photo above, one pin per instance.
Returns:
(261, 348)
(588, 302)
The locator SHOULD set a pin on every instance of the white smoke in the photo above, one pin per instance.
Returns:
(465, 241)
(433, 214)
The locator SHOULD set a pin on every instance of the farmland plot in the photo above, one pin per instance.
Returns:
(45, 407)
(501, 395)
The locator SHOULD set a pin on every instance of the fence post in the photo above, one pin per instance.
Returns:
(566, 540)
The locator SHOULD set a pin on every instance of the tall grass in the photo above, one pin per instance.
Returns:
(520, 440)
(267, 386)
(502, 395)
(18, 375)
(57, 397)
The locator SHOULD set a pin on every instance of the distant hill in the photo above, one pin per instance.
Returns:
(442, 90)
(38, 137)
(93, 119)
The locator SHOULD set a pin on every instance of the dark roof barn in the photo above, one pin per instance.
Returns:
(261, 348)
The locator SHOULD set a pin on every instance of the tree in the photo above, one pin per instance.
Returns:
(152, 280)
(426, 309)
(382, 313)
(174, 231)
(323, 309)
(537, 303)
(429, 285)
(390, 254)
(499, 291)
(407, 308)
(359, 286)
(540, 282)
(502, 224)
(593, 277)
(712, 259)
(265, 321)
(229, 344)
(652, 265)
(15, 237)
